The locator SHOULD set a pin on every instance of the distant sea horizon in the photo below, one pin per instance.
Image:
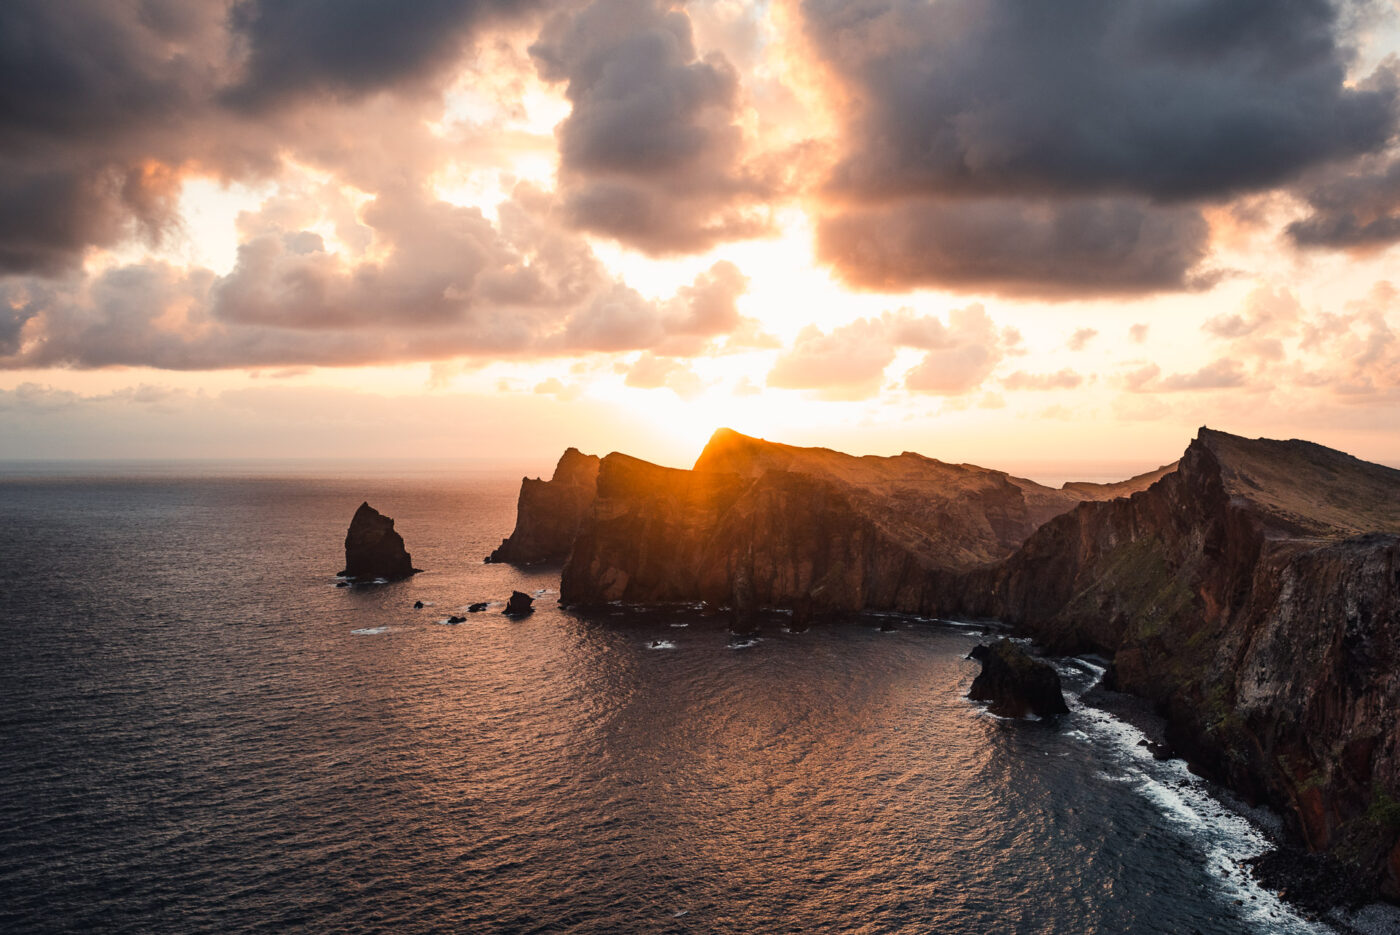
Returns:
(1051, 473)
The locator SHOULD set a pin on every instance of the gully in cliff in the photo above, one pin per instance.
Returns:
(373, 550)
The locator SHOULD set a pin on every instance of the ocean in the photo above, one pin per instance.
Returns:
(200, 732)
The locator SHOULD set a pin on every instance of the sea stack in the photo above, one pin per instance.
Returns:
(1013, 684)
(519, 604)
(373, 549)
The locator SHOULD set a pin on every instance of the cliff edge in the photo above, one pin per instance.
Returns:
(760, 524)
(548, 513)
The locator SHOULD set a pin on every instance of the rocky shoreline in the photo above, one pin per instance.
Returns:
(1249, 594)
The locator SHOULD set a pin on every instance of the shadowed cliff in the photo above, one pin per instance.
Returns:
(548, 514)
(1254, 595)
(769, 525)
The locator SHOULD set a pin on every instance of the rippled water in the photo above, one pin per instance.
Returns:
(202, 734)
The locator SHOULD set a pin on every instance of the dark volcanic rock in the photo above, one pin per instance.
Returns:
(477, 607)
(1316, 882)
(1253, 596)
(519, 604)
(373, 549)
(417, 605)
(548, 512)
(1013, 684)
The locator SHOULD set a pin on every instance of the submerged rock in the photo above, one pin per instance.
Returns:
(373, 549)
(1013, 684)
(519, 604)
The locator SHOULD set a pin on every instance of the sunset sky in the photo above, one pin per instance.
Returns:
(1011, 232)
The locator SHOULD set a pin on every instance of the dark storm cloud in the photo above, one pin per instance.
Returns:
(1052, 248)
(1073, 142)
(103, 105)
(651, 153)
(1358, 209)
(93, 97)
(354, 46)
(1172, 100)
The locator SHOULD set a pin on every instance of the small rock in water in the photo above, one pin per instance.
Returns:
(455, 619)
(417, 605)
(476, 608)
(519, 604)
(1014, 684)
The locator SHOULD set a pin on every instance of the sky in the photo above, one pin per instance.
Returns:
(1050, 237)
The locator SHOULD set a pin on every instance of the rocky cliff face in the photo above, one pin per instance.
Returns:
(1252, 591)
(1254, 595)
(373, 549)
(548, 513)
(767, 525)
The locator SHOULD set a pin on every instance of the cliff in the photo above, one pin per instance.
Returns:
(1254, 595)
(548, 513)
(759, 524)
(373, 549)
(1251, 591)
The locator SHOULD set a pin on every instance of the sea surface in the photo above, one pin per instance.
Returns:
(200, 732)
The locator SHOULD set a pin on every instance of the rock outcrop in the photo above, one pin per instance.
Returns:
(548, 512)
(373, 549)
(519, 604)
(1254, 595)
(1013, 684)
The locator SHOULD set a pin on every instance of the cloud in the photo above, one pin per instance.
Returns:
(1268, 311)
(1073, 143)
(651, 372)
(1137, 333)
(1064, 379)
(652, 153)
(969, 352)
(1352, 208)
(443, 282)
(1174, 101)
(298, 47)
(1222, 373)
(850, 361)
(563, 392)
(1055, 249)
(1081, 338)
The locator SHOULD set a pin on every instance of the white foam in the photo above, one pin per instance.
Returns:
(679, 625)
(1185, 799)
(661, 644)
(370, 631)
(744, 644)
